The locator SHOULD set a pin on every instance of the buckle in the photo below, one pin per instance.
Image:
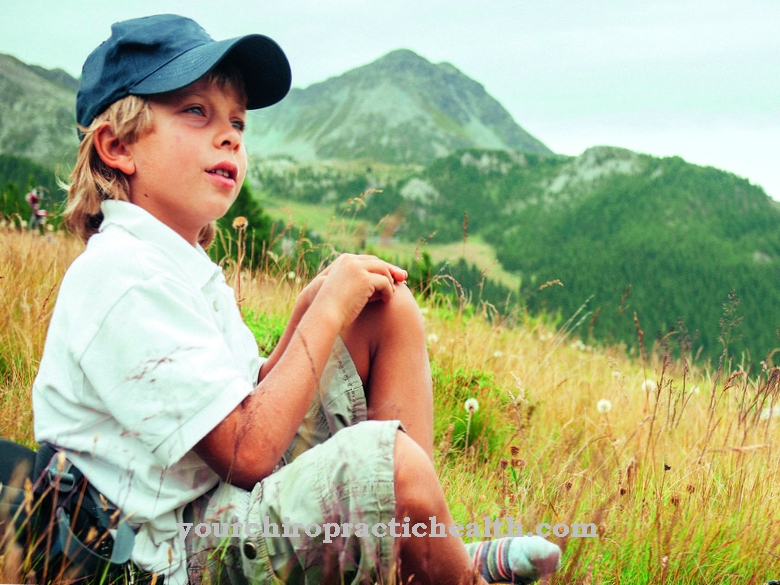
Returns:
(61, 480)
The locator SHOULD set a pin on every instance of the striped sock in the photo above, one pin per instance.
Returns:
(518, 559)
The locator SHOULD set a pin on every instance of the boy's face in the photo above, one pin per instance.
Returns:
(190, 167)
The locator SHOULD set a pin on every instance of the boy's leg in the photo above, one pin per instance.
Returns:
(387, 344)
(430, 559)
(445, 559)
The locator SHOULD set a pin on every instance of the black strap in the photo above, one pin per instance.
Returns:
(75, 497)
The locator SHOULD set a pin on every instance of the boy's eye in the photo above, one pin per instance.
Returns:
(239, 125)
(198, 110)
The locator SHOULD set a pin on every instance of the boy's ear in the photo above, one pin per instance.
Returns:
(111, 150)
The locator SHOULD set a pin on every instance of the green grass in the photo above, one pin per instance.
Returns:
(345, 233)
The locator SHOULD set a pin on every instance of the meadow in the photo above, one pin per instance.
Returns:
(675, 464)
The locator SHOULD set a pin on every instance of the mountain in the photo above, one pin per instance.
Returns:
(37, 112)
(620, 231)
(398, 109)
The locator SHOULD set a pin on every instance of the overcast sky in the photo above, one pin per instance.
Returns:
(694, 78)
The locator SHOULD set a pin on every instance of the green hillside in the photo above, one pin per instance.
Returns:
(622, 231)
(37, 113)
(683, 239)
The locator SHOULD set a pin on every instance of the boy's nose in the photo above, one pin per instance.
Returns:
(229, 136)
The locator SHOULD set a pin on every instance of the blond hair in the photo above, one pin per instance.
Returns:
(92, 181)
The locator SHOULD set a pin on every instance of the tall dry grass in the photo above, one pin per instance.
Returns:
(31, 268)
(681, 482)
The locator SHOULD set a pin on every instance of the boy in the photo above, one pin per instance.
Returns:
(152, 386)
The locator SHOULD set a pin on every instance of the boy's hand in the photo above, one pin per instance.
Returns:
(310, 291)
(352, 281)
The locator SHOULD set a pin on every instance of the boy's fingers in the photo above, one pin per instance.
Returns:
(399, 274)
(383, 288)
(395, 273)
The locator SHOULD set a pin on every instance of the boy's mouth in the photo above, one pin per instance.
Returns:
(227, 170)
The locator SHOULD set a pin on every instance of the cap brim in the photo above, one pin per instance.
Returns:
(264, 66)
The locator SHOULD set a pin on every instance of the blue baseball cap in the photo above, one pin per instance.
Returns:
(157, 54)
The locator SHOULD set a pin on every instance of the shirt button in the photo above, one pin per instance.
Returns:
(250, 550)
(216, 306)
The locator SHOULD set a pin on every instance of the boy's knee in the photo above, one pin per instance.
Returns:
(399, 319)
(403, 308)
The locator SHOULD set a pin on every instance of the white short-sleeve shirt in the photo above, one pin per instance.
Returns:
(146, 353)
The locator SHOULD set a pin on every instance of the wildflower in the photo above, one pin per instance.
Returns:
(498, 353)
(239, 222)
(433, 338)
(649, 386)
(471, 405)
(604, 406)
(291, 275)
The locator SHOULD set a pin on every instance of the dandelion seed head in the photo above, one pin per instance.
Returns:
(498, 353)
(615, 374)
(695, 390)
(471, 405)
(649, 386)
(433, 338)
(604, 406)
(291, 275)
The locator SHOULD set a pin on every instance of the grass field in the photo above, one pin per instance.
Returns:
(346, 233)
(679, 474)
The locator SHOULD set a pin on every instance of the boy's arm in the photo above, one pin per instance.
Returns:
(305, 299)
(246, 446)
(302, 304)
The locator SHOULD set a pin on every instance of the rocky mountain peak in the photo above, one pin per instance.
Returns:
(400, 108)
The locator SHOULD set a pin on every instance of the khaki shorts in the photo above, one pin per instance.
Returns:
(338, 469)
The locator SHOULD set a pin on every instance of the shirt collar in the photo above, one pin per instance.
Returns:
(193, 261)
